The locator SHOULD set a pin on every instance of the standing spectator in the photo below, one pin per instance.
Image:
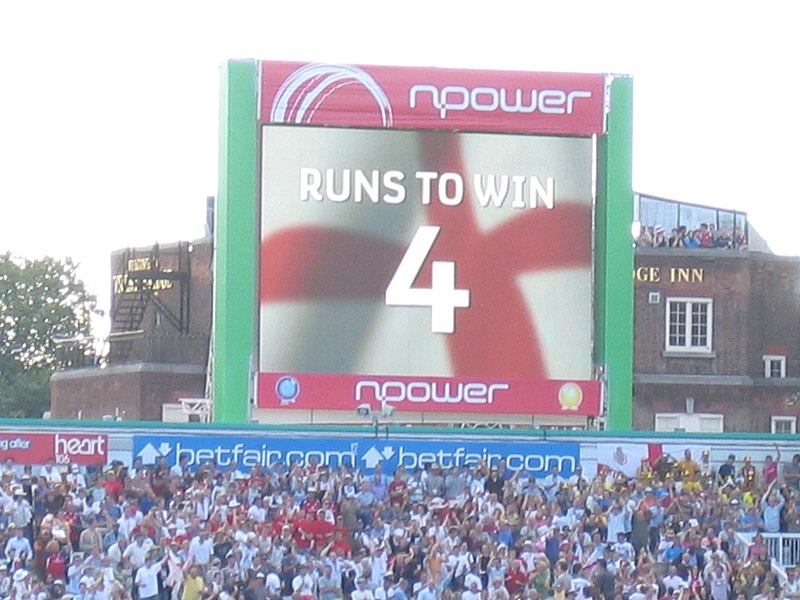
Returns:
(718, 582)
(604, 581)
(194, 586)
(552, 483)
(51, 472)
(90, 537)
(137, 552)
(362, 592)
(146, 578)
(429, 592)
(330, 587)
(748, 475)
(769, 471)
(201, 548)
(472, 593)
(791, 473)
(727, 472)
(435, 481)
(19, 512)
(618, 517)
(495, 484)
(771, 505)
(792, 588)
(18, 548)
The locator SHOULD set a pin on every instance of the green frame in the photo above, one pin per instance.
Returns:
(236, 241)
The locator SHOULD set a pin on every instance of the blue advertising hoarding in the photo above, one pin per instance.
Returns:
(537, 458)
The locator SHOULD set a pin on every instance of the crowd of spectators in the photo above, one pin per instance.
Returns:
(704, 236)
(679, 529)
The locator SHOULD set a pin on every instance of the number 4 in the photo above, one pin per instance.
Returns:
(442, 296)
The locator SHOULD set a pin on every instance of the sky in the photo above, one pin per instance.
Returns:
(109, 110)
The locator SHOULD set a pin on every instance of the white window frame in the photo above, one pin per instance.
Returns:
(688, 347)
(791, 421)
(689, 422)
(768, 359)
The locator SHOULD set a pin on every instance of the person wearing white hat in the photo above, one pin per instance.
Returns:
(75, 478)
(5, 580)
(18, 510)
(21, 583)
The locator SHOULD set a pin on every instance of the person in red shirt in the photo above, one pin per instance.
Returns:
(112, 485)
(398, 491)
(303, 536)
(56, 561)
(770, 469)
(516, 579)
(312, 502)
(339, 545)
(73, 521)
(321, 531)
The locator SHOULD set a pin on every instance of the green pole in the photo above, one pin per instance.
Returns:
(235, 244)
(614, 262)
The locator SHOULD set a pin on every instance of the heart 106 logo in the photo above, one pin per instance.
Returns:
(80, 448)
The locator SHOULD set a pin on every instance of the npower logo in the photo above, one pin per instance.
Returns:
(491, 99)
(439, 392)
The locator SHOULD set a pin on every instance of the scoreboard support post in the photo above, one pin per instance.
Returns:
(234, 287)
(614, 259)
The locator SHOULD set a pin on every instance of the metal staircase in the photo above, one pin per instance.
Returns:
(145, 274)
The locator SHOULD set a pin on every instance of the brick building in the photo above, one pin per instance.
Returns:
(716, 335)
(716, 340)
(159, 338)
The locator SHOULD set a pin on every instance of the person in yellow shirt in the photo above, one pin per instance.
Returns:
(194, 586)
(687, 467)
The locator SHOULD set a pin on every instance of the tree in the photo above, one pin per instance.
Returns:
(44, 308)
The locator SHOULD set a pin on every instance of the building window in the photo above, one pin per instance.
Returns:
(784, 425)
(689, 324)
(774, 365)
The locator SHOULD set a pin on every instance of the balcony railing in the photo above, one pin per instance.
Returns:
(784, 548)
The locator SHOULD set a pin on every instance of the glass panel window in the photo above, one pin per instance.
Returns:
(784, 425)
(689, 323)
(774, 365)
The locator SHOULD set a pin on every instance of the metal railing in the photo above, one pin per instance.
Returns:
(784, 548)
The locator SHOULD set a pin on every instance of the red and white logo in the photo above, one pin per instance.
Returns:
(81, 448)
(422, 98)
(314, 90)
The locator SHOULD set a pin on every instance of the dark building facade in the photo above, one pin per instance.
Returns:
(717, 340)
(716, 334)
(158, 345)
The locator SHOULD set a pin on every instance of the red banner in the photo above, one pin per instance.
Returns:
(429, 394)
(427, 98)
(63, 448)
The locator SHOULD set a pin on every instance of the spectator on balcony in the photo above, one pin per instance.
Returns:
(659, 237)
(725, 239)
(691, 240)
(675, 239)
(705, 236)
(645, 239)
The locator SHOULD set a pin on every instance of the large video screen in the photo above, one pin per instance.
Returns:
(461, 258)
